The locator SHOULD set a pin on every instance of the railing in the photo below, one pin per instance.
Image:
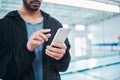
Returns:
(106, 46)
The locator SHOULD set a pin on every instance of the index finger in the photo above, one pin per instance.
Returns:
(45, 30)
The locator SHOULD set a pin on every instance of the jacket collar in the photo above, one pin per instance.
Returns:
(16, 14)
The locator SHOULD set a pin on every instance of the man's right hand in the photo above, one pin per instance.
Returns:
(37, 38)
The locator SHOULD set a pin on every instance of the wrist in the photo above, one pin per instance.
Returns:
(29, 49)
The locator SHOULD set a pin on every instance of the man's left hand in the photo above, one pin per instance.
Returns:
(56, 50)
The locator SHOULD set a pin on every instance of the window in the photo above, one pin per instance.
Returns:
(80, 46)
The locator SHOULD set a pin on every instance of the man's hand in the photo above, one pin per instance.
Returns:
(56, 51)
(37, 38)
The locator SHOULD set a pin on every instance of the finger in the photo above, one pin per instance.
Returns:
(44, 30)
(56, 50)
(54, 55)
(48, 35)
(59, 45)
(38, 38)
(43, 36)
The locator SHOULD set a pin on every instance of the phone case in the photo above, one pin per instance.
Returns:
(61, 35)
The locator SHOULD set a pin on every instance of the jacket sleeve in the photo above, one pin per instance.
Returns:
(13, 60)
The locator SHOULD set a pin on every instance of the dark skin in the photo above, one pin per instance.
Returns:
(31, 13)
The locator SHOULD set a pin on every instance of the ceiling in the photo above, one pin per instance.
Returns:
(76, 15)
(67, 14)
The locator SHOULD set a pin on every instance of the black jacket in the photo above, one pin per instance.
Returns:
(16, 60)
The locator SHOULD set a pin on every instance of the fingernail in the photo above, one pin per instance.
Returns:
(49, 29)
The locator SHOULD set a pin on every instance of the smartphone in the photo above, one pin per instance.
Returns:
(61, 35)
